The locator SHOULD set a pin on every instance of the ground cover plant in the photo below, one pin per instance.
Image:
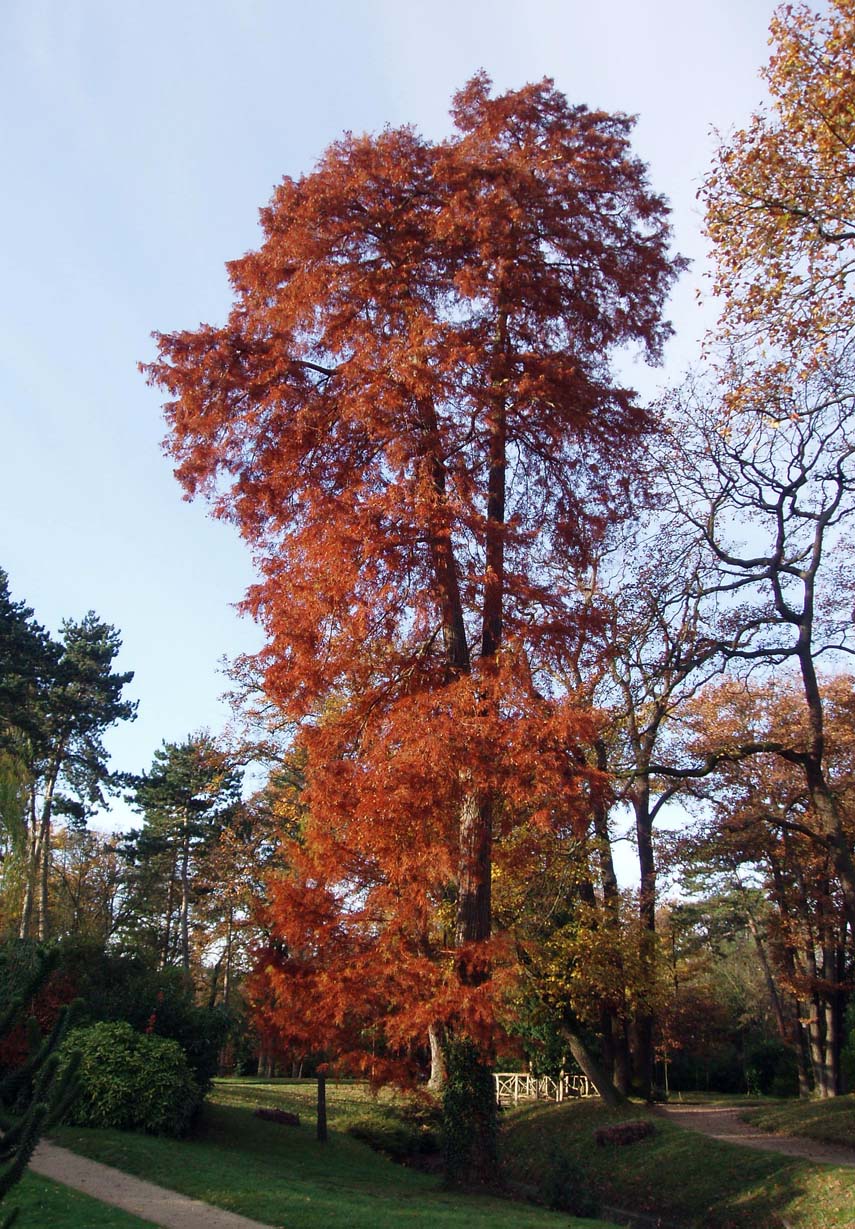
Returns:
(282, 1175)
(687, 1179)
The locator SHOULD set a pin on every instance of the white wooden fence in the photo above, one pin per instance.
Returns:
(515, 1086)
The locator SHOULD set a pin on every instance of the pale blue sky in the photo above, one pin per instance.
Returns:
(138, 141)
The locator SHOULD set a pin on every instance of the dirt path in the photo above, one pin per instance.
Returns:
(164, 1208)
(723, 1122)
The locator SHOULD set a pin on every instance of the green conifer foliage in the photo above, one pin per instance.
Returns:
(32, 1096)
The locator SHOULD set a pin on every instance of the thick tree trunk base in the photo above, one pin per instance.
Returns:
(469, 1118)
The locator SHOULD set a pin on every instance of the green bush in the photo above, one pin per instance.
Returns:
(121, 986)
(469, 1122)
(132, 1081)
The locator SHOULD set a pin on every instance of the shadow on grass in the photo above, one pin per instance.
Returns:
(683, 1177)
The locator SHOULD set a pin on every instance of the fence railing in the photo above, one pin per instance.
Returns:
(515, 1086)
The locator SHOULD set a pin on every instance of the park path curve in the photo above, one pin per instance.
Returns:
(723, 1122)
(156, 1204)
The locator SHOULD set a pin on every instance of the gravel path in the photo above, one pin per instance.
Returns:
(723, 1122)
(164, 1208)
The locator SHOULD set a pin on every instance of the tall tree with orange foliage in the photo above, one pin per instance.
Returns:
(411, 416)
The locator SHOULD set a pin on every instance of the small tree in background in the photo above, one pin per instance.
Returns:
(190, 793)
(79, 699)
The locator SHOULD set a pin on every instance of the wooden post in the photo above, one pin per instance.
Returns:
(322, 1109)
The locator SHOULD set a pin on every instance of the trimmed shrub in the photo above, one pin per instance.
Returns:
(132, 1081)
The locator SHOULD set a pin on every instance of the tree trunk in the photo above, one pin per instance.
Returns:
(643, 1026)
(818, 1057)
(474, 922)
(469, 1103)
(30, 863)
(822, 796)
(784, 1031)
(590, 1067)
(443, 562)
(833, 1013)
(43, 926)
(494, 575)
(832, 1049)
(837, 842)
(227, 974)
(622, 1062)
(185, 897)
(612, 1022)
(322, 1109)
(802, 1056)
(791, 1035)
(436, 1083)
(215, 981)
(170, 904)
(38, 856)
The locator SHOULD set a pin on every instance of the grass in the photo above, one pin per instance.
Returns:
(282, 1176)
(48, 1205)
(685, 1178)
(830, 1122)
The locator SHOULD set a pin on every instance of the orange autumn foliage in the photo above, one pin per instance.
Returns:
(411, 417)
(366, 911)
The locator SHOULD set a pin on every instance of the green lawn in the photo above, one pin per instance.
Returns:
(679, 1175)
(282, 1176)
(831, 1122)
(47, 1205)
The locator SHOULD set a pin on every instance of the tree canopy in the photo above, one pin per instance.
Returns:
(412, 418)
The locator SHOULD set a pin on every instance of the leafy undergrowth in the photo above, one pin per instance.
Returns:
(280, 1175)
(42, 1203)
(831, 1122)
(681, 1176)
